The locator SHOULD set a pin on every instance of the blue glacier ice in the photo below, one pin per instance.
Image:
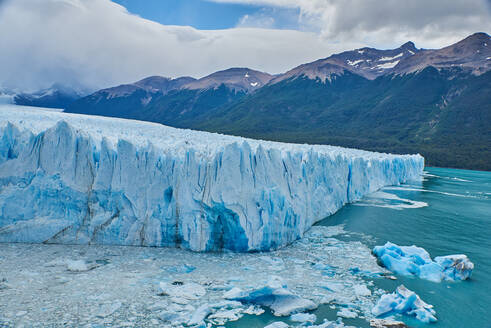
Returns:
(406, 302)
(415, 261)
(76, 179)
(274, 295)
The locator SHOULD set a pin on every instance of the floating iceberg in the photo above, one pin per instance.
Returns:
(415, 261)
(76, 179)
(274, 295)
(277, 324)
(455, 267)
(407, 302)
(303, 317)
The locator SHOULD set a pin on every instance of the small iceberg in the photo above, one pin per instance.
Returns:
(274, 295)
(277, 324)
(415, 261)
(303, 317)
(406, 302)
(455, 267)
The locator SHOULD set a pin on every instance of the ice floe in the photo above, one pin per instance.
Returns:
(416, 261)
(303, 317)
(275, 295)
(388, 200)
(406, 302)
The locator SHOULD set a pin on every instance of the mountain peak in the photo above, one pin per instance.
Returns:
(239, 78)
(409, 46)
(476, 38)
(478, 35)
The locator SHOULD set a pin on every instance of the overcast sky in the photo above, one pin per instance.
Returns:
(100, 43)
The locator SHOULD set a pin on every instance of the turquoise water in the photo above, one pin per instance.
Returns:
(457, 219)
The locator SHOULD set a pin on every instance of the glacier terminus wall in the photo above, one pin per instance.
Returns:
(76, 179)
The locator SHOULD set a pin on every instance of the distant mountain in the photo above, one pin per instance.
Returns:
(58, 96)
(433, 101)
(239, 79)
(367, 62)
(126, 100)
(473, 53)
(172, 101)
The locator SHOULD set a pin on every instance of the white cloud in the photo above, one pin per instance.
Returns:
(257, 20)
(98, 43)
(380, 23)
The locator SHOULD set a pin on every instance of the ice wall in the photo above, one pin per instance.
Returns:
(67, 178)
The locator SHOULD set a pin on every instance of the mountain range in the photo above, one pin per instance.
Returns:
(433, 101)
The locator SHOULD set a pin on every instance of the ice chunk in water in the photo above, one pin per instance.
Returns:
(277, 324)
(455, 267)
(303, 317)
(274, 295)
(189, 291)
(407, 302)
(415, 261)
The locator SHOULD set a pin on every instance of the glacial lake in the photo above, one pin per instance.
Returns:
(448, 213)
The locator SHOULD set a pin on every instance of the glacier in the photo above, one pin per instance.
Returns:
(76, 179)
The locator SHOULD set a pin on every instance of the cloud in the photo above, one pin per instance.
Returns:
(97, 43)
(380, 23)
(260, 20)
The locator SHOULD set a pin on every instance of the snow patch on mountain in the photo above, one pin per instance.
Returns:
(391, 58)
(387, 65)
(355, 62)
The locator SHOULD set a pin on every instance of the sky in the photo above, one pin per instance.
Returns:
(100, 43)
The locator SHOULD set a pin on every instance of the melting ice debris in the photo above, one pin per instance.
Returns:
(4, 284)
(180, 269)
(274, 295)
(347, 313)
(108, 309)
(277, 324)
(76, 179)
(388, 200)
(387, 323)
(79, 265)
(407, 302)
(331, 324)
(415, 261)
(303, 317)
(455, 267)
(130, 265)
(362, 290)
(181, 292)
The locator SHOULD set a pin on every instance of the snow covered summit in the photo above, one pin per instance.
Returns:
(67, 178)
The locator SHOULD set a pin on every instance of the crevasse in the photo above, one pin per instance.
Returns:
(67, 178)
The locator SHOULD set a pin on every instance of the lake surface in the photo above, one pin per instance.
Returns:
(448, 213)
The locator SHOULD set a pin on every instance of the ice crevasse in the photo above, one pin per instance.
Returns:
(77, 179)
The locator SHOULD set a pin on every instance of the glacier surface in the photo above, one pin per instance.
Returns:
(76, 179)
